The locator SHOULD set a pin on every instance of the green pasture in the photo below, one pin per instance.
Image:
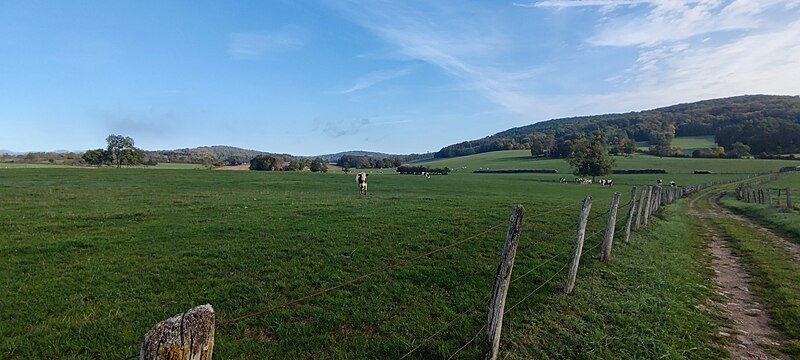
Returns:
(678, 169)
(686, 143)
(692, 143)
(93, 258)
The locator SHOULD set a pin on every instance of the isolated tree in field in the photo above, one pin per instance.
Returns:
(117, 145)
(541, 144)
(318, 165)
(589, 157)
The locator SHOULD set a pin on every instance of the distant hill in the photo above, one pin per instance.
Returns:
(228, 155)
(766, 123)
(9, 152)
(372, 154)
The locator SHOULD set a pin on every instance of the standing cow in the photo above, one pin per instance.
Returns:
(361, 180)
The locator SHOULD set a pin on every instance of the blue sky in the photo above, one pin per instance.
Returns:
(314, 77)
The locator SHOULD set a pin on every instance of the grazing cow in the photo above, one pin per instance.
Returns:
(361, 180)
(606, 182)
(562, 180)
(672, 184)
(659, 182)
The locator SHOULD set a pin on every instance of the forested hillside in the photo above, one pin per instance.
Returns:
(767, 124)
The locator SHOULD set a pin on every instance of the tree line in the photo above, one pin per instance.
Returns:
(277, 163)
(766, 124)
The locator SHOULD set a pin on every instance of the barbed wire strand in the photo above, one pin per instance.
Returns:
(468, 342)
(362, 277)
(537, 288)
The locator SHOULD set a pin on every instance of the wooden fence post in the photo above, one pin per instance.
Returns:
(789, 199)
(608, 240)
(779, 197)
(639, 210)
(631, 208)
(578, 249)
(491, 343)
(649, 203)
(188, 336)
(754, 196)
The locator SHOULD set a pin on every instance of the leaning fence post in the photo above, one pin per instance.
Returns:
(648, 204)
(639, 210)
(491, 344)
(789, 199)
(578, 249)
(188, 336)
(631, 208)
(608, 240)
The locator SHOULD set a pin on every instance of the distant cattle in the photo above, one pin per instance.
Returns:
(606, 182)
(672, 183)
(659, 182)
(583, 181)
(361, 181)
(562, 180)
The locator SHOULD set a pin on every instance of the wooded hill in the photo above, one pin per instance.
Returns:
(767, 124)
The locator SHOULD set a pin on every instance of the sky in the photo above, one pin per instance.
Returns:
(316, 77)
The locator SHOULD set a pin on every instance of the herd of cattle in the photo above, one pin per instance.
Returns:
(606, 182)
(361, 181)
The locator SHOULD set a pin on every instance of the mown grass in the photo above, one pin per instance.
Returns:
(92, 259)
(692, 143)
(776, 278)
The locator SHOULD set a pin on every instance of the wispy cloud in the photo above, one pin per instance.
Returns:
(340, 128)
(375, 78)
(250, 45)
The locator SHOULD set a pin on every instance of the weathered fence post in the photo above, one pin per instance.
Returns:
(769, 197)
(578, 249)
(188, 336)
(754, 196)
(631, 208)
(608, 240)
(649, 203)
(639, 210)
(491, 343)
(789, 199)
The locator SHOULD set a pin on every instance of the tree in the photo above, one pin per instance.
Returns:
(117, 145)
(739, 150)
(541, 143)
(318, 165)
(262, 163)
(94, 157)
(589, 157)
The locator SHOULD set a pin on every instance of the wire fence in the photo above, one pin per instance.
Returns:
(655, 198)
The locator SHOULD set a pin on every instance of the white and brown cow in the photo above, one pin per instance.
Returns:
(361, 180)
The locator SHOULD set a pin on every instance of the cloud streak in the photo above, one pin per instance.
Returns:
(375, 78)
(252, 45)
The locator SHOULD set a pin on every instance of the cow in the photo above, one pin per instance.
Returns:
(361, 180)
(672, 184)
(606, 182)
(659, 182)
(562, 180)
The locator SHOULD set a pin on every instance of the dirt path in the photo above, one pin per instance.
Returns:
(790, 247)
(751, 332)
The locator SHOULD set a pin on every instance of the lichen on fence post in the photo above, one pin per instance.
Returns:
(187, 336)
(491, 344)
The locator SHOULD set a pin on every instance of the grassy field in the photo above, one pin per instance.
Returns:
(686, 143)
(92, 259)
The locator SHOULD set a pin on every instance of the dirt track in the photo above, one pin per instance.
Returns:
(751, 333)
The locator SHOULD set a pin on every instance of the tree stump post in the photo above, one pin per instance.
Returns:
(187, 336)
(578, 248)
(608, 240)
(631, 208)
(491, 344)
